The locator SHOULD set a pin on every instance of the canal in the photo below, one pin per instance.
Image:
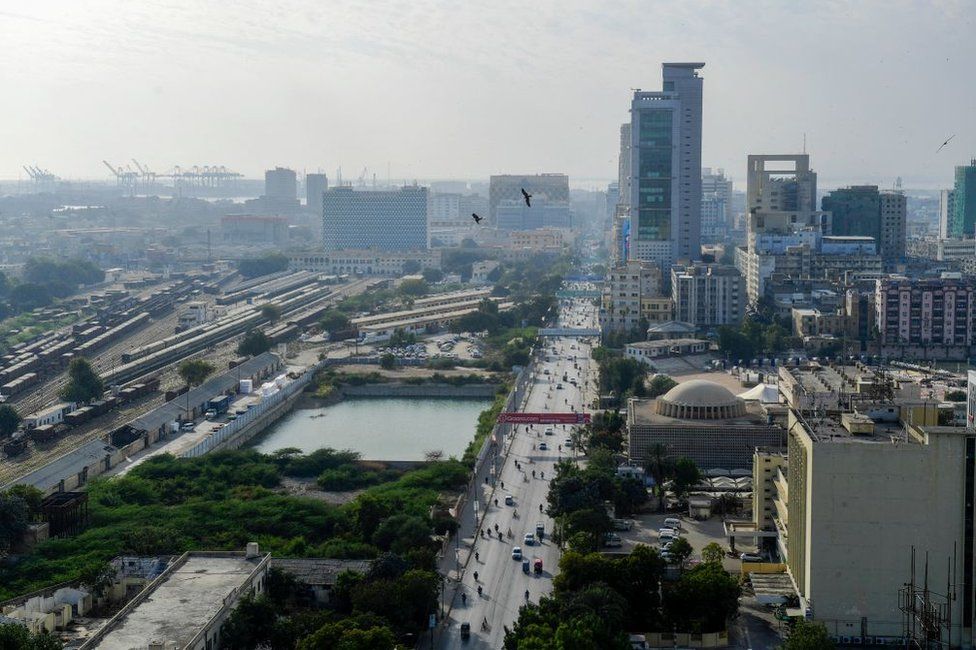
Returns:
(380, 428)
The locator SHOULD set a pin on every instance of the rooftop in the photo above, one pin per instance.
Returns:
(318, 571)
(46, 477)
(182, 604)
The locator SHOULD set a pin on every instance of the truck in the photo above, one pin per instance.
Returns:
(219, 404)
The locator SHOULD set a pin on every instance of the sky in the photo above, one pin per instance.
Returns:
(432, 89)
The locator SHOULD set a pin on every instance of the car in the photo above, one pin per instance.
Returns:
(546, 371)
(612, 540)
(549, 431)
(543, 446)
(525, 565)
(465, 630)
(240, 411)
(568, 443)
(751, 557)
(516, 552)
(669, 531)
(529, 539)
(559, 386)
(188, 426)
(540, 530)
(509, 500)
(622, 524)
(673, 522)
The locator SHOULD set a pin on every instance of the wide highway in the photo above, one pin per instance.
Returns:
(487, 560)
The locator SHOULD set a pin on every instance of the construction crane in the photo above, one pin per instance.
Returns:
(148, 177)
(126, 178)
(196, 176)
(361, 182)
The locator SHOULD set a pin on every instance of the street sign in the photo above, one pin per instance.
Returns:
(511, 417)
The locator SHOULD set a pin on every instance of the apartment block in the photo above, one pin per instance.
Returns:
(708, 295)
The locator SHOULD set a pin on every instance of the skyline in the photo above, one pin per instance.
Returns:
(437, 91)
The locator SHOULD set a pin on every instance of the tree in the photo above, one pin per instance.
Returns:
(252, 267)
(413, 288)
(680, 550)
(14, 520)
(686, 476)
(9, 420)
(660, 466)
(195, 371)
(271, 311)
(712, 553)
(334, 320)
(14, 636)
(433, 275)
(809, 635)
(84, 384)
(255, 342)
(411, 267)
(659, 385)
(955, 396)
(388, 361)
(704, 597)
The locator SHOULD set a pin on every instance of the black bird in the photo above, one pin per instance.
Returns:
(945, 143)
(527, 197)
(476, 218)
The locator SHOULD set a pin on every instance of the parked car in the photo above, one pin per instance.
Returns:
(751, 557)
(622, 524)
(612, 540)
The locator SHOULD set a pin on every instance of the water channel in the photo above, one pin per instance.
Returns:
(380, 428)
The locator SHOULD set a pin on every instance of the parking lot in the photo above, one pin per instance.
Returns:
(698, 533)
(441, 346)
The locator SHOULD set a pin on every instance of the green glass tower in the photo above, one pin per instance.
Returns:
(963, 219)
(855, 211)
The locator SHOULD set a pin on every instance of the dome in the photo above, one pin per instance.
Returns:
(700, 399)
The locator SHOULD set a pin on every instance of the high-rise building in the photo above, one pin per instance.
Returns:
(708, 295)
(315, 187)
(939, 311)
(623, 168)
(665, 168)
(281, 184)
(370, 219)
(862, 210)
(515, 215)
(789, 188)
(963, 222)
(947, 209)
(508, 187)
(716, 205)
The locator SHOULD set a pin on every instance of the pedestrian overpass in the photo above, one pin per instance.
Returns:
(515, 417)
(566, 294)
(578, 332)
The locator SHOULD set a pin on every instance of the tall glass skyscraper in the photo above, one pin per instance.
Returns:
(962, 222)
(665, 181)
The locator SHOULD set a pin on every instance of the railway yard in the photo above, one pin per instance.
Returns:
(133, 339)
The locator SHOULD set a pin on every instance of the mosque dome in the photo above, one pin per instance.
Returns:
(700, 399)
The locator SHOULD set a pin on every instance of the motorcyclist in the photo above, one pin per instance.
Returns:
(540, 507)
(533, 473)
(526, 594)
(477, 556)
(496, 503)
(476, 576)
(464, 599)
(479, 590)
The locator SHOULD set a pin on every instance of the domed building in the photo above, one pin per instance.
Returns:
(700, 399)
(704, 421)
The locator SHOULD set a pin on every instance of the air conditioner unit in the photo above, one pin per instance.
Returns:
(846, 640)
(857, 640)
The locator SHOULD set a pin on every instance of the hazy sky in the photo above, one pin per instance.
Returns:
(464, 89)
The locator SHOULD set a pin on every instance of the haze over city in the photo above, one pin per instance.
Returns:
(446, 90)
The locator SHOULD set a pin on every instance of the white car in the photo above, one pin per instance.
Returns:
(517, 553)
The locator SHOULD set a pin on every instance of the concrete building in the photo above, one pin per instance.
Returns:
(249, 229)
(665, 168)
(364, 262)
(281, 184)
(544, 213)
(708, 295)
(947, 210)
(863, 210)
(656, 310)
(716, 205)
(508, 187)
(830, 388)
(626, 286)
(814, 322)
(212, 582)
(624, 165)
(860, 495)
(481, 271)
(393, 220)
(703, 421)
(647, 351)
(787, 187)
(925, 312)
(962, 222)
(543, 239)
(315, 187)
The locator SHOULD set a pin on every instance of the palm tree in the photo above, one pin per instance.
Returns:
(660, 466)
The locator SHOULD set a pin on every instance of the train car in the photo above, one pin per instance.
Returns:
(46, 433)
(79, 416)
(16, 445)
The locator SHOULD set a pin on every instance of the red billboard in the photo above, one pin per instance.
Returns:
(544, 418)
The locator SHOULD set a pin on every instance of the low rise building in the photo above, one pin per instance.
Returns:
(646, 351)
(708, 295)
(543, 239)
(814, 322)
(187, 605)
(253, 229)
(481, 270)
(627, 285)
(364, 262)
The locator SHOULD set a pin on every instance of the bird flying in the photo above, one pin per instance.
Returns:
(527, 197)
(476, 218)
(945, 143)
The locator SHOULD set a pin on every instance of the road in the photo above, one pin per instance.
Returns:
(487, 562)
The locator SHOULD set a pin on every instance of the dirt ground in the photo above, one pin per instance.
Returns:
(307, 488)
